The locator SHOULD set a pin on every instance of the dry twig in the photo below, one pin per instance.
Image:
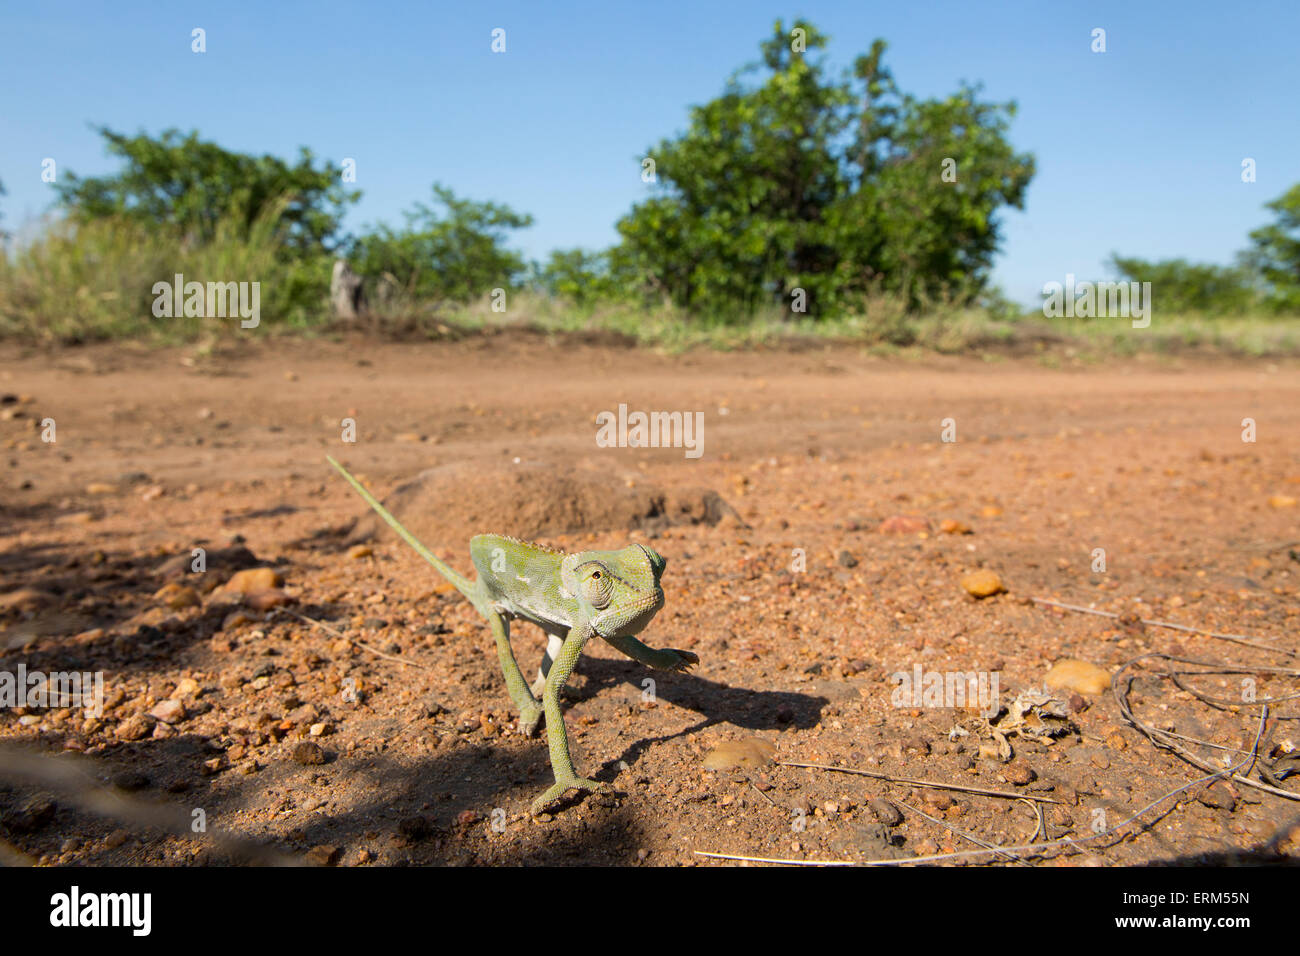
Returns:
(361, 644)
(932, 784)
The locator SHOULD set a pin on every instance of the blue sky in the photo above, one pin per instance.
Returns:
(1139, 149)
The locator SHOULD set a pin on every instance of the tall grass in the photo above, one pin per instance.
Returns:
(82, 282)
(885, 320)
(1251, 334)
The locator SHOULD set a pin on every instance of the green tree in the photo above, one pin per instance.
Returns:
(1275, 252)
(451, 255)
(929, 179)
(833, 186)
(180, 180)
(745, 192)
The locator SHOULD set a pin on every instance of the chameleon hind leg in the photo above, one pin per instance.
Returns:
(530, 713)
(566, 777)
(553, 644)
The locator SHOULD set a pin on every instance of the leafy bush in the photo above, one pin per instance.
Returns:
(586, 278)
(452, 256)
(1179, 286)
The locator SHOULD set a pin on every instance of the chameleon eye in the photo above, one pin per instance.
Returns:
(597, 589)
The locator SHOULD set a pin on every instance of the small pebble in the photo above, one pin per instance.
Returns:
(1018, 774)
(170, 711)
(904, 524)
(983, 583)
(1217, 796)
(308, 753)
(885, 812)
(323, 855)
(749, 752)
(253, 579)
(1078, 676)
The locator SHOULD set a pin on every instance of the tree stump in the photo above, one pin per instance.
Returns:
(345, 291)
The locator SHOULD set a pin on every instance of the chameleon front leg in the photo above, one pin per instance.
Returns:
(668, 659)
(566, 777)
(530, 714)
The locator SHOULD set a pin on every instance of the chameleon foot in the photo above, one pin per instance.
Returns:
(680, 661)
(561, 787)
(530, 718)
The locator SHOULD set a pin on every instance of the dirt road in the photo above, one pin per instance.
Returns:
(1129, 488)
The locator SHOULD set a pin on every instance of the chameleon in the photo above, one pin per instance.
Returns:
(572, 597)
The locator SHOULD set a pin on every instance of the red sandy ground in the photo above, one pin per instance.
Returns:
(814, 449)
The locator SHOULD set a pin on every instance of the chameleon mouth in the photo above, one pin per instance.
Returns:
(632, 616)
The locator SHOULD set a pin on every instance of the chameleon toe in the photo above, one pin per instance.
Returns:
(530, 721)
(553, 793)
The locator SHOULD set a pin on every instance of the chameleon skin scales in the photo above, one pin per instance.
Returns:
(612, 595)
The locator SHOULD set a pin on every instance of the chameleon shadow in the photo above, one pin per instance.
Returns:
(716, 703)
(458, 806)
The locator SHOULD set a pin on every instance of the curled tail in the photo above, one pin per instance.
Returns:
(461, 583)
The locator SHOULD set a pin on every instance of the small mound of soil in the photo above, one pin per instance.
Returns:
(454, 502)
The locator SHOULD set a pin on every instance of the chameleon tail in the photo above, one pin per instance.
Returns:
(462, 584)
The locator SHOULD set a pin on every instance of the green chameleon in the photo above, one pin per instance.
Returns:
(572, 597)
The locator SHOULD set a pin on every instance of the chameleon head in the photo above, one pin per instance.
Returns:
(619, 589)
